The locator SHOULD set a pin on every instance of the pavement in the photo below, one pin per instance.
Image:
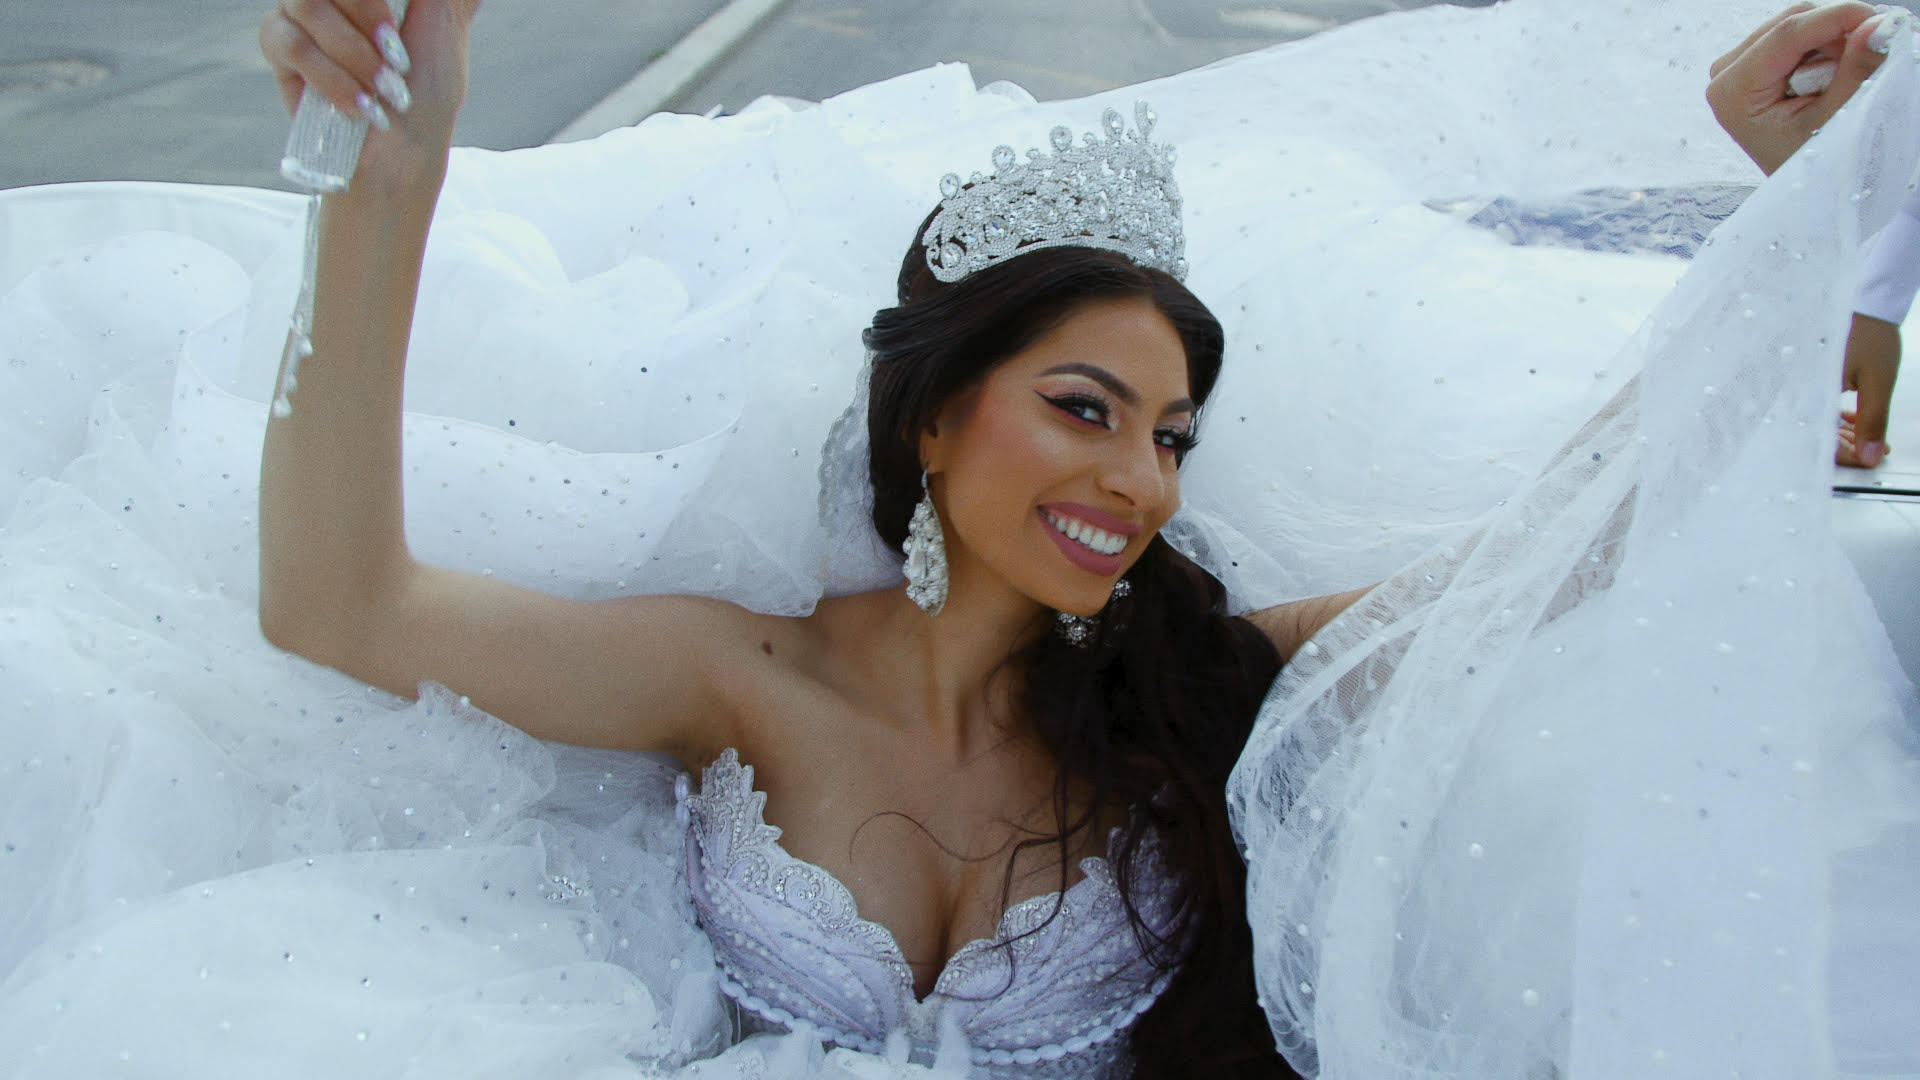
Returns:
(121, 90)
(818, 48)
(124, 90)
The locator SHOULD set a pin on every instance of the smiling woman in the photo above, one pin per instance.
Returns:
(1043, 360)
(1051, 398)
(1077, 441)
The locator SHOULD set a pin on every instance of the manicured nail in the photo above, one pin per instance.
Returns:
(1886, 25)
(1871, 454)
(371, 109)
(388, 40)
(394, 89)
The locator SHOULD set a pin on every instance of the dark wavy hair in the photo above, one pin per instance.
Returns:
(1152, 713)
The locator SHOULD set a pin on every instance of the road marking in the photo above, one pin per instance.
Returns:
(32, 76)
(660, 82)
(1276, 21)
(836, 22)
(1092, 84)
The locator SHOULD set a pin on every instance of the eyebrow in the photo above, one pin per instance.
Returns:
(1115, 386)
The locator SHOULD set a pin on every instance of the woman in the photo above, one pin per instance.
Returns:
(1029, 416)
(642, 671)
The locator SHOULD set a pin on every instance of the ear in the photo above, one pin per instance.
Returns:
(936, 439)
(932, 448)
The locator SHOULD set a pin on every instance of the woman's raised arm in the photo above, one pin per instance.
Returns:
(337, 583)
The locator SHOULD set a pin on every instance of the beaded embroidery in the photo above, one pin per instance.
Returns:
(1044, 997)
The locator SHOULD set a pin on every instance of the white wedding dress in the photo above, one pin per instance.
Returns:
(1615, 776)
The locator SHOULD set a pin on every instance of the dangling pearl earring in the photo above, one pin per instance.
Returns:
(1078, 629)
(926, 552)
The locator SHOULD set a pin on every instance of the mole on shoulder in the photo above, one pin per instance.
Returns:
(767, 647)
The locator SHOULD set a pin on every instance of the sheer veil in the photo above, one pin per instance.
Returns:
(1585, 789)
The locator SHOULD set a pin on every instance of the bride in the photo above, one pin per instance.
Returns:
(937, 750)
(1002, 843)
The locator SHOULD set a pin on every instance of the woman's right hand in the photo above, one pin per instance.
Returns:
(408, 81)
(338, 584)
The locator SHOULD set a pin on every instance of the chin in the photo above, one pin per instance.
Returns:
(1083, 610)
(1086, 601)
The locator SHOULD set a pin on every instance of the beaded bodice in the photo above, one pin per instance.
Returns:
(1049, 995)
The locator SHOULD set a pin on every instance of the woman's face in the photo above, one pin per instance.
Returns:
(1055, 472)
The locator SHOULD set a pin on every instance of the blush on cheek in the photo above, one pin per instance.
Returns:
(1009, 429)
(1000, 459)
(1038, 446)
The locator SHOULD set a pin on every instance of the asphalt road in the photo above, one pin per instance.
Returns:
(153, 90)
(1054, 48)
(177, 90)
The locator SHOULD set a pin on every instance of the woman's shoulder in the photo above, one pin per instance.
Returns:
(785, 673)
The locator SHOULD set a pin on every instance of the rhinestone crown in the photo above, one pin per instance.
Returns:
(1115, 192)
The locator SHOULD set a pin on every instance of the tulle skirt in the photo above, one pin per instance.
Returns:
(1614, 774)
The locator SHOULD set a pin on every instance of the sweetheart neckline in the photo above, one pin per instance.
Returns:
(766, 836)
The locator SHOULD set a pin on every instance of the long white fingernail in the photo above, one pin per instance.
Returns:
(371, 109)
(1885, 27)
(1811, 79)
(394, 89)
(388, 40)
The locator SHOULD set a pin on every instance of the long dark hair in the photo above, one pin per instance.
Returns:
(1152, 711)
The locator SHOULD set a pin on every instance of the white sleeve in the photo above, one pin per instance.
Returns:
(1893, 269)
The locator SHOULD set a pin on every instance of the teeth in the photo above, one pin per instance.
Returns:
(1098, 540)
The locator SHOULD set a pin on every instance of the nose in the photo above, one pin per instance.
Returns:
(1135, 471)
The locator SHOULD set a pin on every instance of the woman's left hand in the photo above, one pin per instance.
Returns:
(1750, 95)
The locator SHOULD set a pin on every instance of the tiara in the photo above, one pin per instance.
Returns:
(1115, 192)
